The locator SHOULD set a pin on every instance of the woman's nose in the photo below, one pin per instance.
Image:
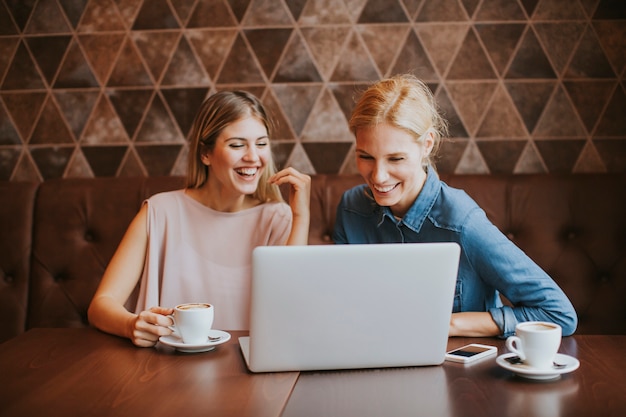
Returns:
(379, 173)
(251, 154)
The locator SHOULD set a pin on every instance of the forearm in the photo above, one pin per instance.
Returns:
(106, 311)
(111, 317)
(473, 324)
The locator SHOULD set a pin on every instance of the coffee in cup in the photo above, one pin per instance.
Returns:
(536, 343)
(193, 322)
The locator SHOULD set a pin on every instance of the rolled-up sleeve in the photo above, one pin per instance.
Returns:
(533, 294)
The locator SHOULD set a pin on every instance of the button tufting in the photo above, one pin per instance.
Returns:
(89, 237)
(326, 238)
(510, 235)
(9, 278)
(571, 235)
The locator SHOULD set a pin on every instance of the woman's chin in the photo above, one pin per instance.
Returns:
(385, 201)
(247, 187)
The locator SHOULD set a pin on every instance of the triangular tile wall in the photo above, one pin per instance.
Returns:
(110, 87)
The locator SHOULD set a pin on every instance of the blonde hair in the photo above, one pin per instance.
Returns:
(405, 102)
(218, 111)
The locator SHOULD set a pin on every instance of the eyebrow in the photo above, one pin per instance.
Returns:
(395, 154)
(241, 138)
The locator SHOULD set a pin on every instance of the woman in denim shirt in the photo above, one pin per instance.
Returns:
(398, 130)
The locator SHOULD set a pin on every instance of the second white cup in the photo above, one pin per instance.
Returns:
(536, 343)
(193, 322)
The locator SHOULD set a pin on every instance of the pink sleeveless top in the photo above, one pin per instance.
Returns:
(197, 254)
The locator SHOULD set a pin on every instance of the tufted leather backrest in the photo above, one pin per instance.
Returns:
(574, 226)
(17, 200)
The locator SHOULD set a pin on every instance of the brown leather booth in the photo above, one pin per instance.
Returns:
(58, 236)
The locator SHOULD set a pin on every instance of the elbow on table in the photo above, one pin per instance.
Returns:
(91, 314)
(568, 322)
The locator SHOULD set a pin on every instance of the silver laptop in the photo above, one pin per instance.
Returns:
(325, 307)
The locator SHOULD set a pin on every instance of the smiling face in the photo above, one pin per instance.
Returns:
(390, 160)
(239, 157)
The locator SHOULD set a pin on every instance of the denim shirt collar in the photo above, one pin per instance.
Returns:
(414, 218)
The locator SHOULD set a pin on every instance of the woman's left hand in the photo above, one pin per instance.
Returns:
(299, 201)
(299, 190)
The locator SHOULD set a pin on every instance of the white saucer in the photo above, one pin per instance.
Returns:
(525, 371)
(175, 342)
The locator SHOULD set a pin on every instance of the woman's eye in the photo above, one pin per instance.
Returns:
(262, 144)
(396, 159)
(365, 157)
(236, 145)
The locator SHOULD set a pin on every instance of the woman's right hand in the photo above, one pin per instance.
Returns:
(149, 325)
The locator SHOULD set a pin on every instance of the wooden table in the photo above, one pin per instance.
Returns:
(82, 372)
(597, 388)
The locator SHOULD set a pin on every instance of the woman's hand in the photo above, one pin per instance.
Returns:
(149, 325)
(299, 189)
(299, 201)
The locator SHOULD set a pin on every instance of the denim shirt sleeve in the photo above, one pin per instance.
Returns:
(501, 264)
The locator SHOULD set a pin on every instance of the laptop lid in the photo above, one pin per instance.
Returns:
(324, 307)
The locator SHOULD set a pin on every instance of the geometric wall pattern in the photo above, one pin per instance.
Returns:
(110, 87)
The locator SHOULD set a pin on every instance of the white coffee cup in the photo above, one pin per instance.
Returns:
(536, 343)
(193, 322)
